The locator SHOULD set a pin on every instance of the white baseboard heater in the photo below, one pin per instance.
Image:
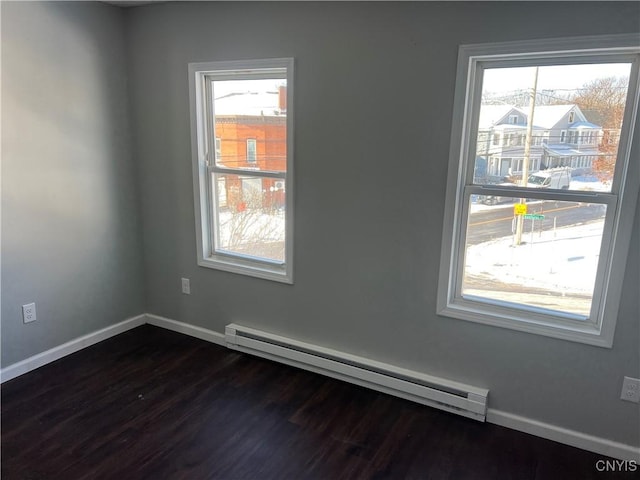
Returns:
(436, 392)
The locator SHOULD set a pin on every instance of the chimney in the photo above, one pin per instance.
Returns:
(282, 98)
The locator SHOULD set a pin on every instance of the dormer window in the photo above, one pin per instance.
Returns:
(513, 119)
(572, 117)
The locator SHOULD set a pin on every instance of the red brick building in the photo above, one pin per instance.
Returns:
(251, 134)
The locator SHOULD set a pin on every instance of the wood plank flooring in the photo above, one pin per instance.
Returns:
(154, 404)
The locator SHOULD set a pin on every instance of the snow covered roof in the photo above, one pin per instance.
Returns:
(548, 115)
(248, 103)
(564, 150)
(544, 117)
(509, 126)
(584, 125)
(491, 114)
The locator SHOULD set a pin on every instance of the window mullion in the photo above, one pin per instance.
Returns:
(542, 194)
(249, 172)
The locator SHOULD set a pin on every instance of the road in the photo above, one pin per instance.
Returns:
(497, 221)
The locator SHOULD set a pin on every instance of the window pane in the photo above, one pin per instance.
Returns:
(575, 129)
(554, 264)
(251, 123)
(251, 216)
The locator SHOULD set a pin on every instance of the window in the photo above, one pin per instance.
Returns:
(551, 262)
(218, 148)
(572, 116)
(251, 150)
(222, 192)
(513, 119)
(243, 191)
(563, 136)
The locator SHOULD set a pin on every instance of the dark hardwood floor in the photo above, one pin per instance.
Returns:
(154, 404)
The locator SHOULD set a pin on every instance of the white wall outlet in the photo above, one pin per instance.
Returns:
(29, 313)
(186, 286)
(631, 389)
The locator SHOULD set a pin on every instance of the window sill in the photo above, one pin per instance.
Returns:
(266, 271)
(576, 331)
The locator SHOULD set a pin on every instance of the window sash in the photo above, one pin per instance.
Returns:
(209, 79)
(540, 315)
(213, 195)
(213, 166)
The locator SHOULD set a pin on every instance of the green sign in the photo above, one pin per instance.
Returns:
(533, 216)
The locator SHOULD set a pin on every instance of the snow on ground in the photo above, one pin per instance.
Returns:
(589, 183)
(564, 261)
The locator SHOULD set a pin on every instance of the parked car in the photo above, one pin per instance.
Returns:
(495, 199)
(557, 178)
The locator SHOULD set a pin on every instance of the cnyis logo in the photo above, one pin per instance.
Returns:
(616, 465)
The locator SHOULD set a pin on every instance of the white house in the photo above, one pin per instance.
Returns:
(562, 137)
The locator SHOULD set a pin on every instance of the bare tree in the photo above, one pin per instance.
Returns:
(254, 226)
(603, 101)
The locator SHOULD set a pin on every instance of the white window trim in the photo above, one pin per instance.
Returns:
(599, 328)
(206, 254)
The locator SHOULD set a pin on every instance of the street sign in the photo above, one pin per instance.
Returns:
(533, 216)
(520, 209)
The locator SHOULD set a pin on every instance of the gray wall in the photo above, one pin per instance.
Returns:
(71, 236)
(374, 91)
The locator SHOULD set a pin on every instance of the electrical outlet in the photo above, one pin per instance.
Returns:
(186, 286)
(631, 389)
(29, 313)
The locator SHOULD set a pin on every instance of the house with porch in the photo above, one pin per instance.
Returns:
(561, 137)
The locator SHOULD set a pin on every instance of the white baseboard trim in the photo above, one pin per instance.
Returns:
(497, 417)
(72, 346)
(563, 435)
(186, 328)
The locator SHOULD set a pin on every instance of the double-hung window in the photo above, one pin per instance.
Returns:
(544, 250)
(242, 150)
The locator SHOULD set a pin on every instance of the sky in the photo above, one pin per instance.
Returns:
(224, 87)
(554, 77)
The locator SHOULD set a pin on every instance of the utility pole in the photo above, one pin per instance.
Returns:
(527, 152)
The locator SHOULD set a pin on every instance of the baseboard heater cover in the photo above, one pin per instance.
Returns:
(441, 393)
